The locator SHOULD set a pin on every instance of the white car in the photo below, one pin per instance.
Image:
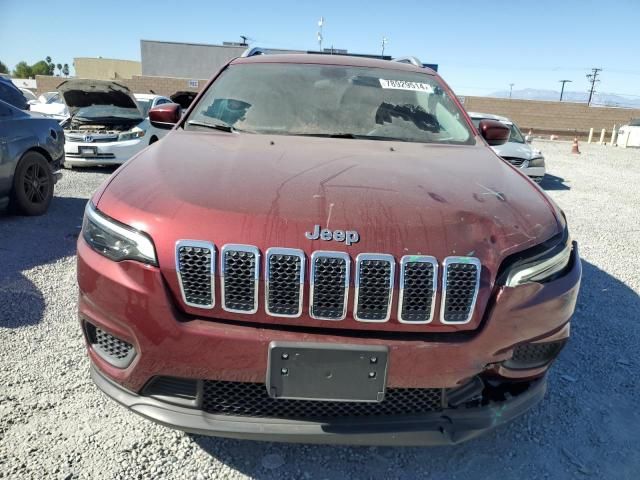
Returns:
(517, 151)
(107, 123)
(51, 105)
(629, 135)
(29, 95)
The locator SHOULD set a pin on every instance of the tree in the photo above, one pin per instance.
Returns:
(59, 67)
(50, 65)
(41, 68)
(22, 70)
(3, 68)
(65, 69)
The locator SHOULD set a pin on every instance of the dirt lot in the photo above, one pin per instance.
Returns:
(54, 423)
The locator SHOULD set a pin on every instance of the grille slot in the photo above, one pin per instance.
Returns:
(533, 355)
(515, 161)
(110, 348)
(195, 264)
(252, 400)
(284, 280)
(418, 280)
(329, 285)
(461, 281)
(240, 268)
(374, 287)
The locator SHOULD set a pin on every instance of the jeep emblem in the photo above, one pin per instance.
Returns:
(347, 236)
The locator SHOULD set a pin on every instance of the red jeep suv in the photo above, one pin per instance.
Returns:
(324, 249)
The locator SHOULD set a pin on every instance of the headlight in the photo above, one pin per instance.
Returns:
(541, 266)
(133, 134)
(537, 161)
(115, 240)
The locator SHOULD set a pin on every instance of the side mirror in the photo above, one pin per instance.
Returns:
(165, 116)
(494, 132)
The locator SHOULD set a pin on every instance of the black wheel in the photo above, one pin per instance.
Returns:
(32, 185)
(154, 139)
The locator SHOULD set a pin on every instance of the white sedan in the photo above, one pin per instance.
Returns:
(517, 150)
(107, 123)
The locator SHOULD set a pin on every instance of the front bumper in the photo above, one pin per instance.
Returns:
(111, 153)
(449, 426)
(132, 302)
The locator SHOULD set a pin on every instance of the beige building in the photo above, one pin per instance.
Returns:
(106, 68)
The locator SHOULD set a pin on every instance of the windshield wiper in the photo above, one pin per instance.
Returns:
(352, 135)
(225, 127)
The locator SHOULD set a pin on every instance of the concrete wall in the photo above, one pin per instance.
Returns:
(188, 60)
(106, 68)
(563, 118)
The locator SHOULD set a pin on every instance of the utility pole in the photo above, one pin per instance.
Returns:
(320, 25)
(511, 89)
(562, 89)
(593, 78)
(385, 40)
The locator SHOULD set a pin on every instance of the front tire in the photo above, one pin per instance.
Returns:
(32, 185)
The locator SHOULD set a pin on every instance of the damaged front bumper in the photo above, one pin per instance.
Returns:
(451, 425)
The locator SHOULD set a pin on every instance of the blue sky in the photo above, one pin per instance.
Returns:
(481, 47)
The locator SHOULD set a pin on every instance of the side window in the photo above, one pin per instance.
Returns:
(5, 111)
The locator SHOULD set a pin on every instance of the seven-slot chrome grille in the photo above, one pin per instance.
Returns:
(330, 278)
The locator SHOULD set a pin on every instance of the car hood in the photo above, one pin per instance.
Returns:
(81, 93)
(402, 198)
(517, 150)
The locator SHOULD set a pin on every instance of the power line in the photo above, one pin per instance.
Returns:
(562, 89)
(593, 78)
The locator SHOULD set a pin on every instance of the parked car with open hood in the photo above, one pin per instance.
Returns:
(325, 249)
(517, 151)
(31, 154)
(105, 124)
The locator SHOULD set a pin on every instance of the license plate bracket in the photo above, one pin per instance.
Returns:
(328, 372)
(88, 151)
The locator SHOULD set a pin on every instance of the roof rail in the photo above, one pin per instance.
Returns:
(253, 51)
(412, 60)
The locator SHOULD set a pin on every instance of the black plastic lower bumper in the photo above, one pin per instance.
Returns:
(449, 426)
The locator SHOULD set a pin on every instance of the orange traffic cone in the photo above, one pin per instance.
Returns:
(574, 147)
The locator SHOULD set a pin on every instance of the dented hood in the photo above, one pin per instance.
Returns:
(81, 93)
(402, 198)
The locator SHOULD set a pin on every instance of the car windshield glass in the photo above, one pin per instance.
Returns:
(108, 111)
(144, 106)
(341, 101)
(516, 134)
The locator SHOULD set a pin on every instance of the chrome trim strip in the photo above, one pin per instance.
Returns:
(418, 259)
(197, 244)
(374, 256)
(329, 254)
(454, 260)
(284, 251)
(256, 275)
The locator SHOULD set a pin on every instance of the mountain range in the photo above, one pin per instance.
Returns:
(599, 99)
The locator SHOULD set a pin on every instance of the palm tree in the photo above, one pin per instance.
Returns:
(65, 69)
(59, 67)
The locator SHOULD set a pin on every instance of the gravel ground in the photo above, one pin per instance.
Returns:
(54, 423)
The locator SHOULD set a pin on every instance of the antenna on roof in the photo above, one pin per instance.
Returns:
(245, 40)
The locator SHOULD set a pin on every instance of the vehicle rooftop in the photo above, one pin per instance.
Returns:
(489, 116)
(345, 60)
